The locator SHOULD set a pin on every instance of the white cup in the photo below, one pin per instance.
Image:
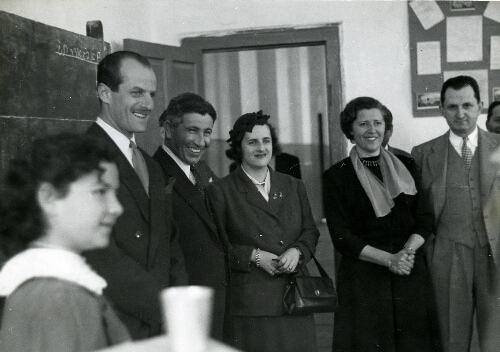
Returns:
(188, 317)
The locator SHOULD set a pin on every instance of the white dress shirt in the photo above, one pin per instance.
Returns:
(186, 168)
(263, 187)
(122, 141)
(457, 141)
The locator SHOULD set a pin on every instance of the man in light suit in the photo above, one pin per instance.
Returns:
(186, 126)
(144, 255)
(460, 177)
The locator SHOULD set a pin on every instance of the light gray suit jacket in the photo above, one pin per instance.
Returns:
(432, 159)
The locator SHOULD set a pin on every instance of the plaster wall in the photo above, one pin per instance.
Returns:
(374, 38)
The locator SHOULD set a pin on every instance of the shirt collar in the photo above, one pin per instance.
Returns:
(48, 262)
(265, 188)
(186, 168)
(122, 141)
(457, 140)
(254, 181)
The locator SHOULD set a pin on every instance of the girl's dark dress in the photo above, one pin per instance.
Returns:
(379, 311)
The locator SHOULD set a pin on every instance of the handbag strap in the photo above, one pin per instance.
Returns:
(322, 271)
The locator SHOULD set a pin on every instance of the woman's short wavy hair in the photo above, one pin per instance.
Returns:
(59, 160)
(246, 123)
(350, 113)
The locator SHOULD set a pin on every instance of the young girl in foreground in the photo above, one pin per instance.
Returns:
(58, 202)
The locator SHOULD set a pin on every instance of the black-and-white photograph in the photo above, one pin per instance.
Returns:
(249, 176)
(430, 100)
(461, 5)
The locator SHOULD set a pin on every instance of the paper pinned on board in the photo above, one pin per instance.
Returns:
(495, 52)
(464, 38)
(428, 12)
(492, 11)
(428, 58)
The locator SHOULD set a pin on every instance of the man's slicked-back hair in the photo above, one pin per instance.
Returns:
(186, 103)
(458, 83)
(108, 70)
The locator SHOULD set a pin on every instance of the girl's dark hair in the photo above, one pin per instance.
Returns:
(59, 160)
(246, 123)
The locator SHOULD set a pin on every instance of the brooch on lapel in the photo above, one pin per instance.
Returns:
(277, 195)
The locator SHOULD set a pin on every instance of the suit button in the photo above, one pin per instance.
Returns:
(221, 255)
(281, 243)
(224, 282)
(138, 234)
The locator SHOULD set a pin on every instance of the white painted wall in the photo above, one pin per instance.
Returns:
(375, 39)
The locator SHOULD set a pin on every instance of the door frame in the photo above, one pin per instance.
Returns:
(327, 35)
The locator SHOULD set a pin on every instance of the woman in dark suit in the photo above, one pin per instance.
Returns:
(264, 219)
(370, 206)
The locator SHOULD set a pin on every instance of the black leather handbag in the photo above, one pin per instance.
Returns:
(310, 294)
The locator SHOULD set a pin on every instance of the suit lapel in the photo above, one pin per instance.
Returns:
(437, 167)
(128, 176)
(185, 188)
(157, 222)
(488, 169)
(253, 196)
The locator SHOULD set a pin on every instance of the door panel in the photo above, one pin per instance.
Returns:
(177, 70)
(327, 36)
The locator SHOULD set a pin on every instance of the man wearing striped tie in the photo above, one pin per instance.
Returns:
(186, 127)
(144, 255)
(460, 187)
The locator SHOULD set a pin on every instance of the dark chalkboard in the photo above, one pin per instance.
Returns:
(47, 81)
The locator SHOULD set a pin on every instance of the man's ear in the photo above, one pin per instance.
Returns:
(104, 92)
(161, 132)
(47, 197)
(168, 130)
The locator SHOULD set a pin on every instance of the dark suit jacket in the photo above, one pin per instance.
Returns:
(144, 256)
(200, 243)
(246, 221)
(397, 151)
(432, 160)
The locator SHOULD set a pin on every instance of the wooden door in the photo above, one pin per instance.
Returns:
(327, 35)
(177, 70)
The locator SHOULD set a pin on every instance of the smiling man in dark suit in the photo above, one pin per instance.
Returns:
(186, 126)
(144, 256)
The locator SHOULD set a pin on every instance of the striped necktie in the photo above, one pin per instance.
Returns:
(199, 184)
(466, 153)
(140, 166)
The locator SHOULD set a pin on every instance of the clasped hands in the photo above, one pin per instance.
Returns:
(402, 262)
(283, 264)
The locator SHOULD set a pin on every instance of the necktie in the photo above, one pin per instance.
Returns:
(200, 186)
(466, 153)
(140, 166)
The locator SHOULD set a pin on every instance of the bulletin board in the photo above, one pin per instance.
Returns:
(452, 38)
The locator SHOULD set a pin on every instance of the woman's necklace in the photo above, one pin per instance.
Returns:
(370, 162)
